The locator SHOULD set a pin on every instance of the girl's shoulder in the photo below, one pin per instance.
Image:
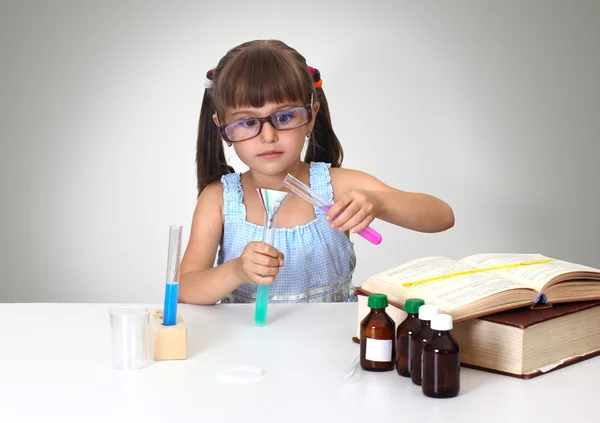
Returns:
(209, 206)
(213, 193)
(342, 177)
(344, 180)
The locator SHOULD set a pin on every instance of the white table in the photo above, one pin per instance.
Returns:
(56, 365)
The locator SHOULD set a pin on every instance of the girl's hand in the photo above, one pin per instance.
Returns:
(259, 262)
(356, 210)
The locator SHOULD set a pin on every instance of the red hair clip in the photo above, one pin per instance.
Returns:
(312, 71)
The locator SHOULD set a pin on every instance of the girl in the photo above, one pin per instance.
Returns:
(265, 101)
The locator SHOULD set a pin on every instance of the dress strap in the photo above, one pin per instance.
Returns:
(320, 181)
(233, 196)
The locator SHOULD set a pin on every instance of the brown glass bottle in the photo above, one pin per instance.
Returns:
(410, 326)
(377, 346)
(426, 312)
(441, 360)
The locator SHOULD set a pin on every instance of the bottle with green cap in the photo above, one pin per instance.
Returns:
(410, 326)
(377, 346)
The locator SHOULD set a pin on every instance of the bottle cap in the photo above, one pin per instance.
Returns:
(441, 322)
(378, 301)
(427, 311)
(412, 305)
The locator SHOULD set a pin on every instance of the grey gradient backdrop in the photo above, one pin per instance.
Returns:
(492, 106)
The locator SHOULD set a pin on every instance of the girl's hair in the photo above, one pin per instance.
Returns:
(250, 75)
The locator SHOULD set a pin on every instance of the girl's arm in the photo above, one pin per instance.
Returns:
(199, 281)
(365, 198)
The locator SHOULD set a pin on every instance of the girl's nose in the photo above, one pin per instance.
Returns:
(269, 133)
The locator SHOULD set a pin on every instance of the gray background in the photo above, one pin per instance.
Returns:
(492, 106)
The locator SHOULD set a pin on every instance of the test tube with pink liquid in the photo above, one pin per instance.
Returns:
(324, 204)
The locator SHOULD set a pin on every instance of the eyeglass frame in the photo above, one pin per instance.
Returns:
(307, 107)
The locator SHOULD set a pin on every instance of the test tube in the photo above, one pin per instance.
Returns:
(317, 200)
(172, 285)
(271, 200)
(262, 291)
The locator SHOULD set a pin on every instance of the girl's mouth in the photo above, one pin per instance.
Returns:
(270, 154)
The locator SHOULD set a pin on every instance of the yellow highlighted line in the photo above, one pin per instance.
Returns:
(467, 272)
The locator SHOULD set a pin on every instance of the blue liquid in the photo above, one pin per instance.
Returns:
(170, 309)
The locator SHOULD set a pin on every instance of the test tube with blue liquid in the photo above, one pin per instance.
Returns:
(271, 201)
(172, 285)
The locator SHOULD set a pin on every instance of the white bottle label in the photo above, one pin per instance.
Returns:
(379, 350)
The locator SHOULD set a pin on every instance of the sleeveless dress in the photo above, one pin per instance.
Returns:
(319, 260)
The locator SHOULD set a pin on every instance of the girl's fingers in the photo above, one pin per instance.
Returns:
(268, 261)
(362, 225)
(265, 270)
(265, 249)
(346, 215)
(264, 280)
(338, 207)
(353, 221)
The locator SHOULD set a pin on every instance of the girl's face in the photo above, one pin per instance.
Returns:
(272, 151)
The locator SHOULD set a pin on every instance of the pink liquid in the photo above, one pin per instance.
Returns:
(368, 233)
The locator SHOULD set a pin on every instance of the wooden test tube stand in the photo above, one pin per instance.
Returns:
(170, 342)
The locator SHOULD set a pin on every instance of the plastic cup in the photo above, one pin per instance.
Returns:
(131, 337)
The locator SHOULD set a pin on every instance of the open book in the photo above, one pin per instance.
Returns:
(482, 284)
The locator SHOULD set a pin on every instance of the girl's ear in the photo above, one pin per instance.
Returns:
(315, 110)
(216, 121)
(316, 106)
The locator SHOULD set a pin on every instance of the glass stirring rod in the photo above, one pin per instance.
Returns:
(349, 374)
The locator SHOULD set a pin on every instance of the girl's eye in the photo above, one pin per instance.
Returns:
(250, 123)
(284, 117)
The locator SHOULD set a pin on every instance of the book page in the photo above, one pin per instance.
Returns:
(448, 293)
(534, 276)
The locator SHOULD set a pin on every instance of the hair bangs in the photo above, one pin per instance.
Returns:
(262, 75)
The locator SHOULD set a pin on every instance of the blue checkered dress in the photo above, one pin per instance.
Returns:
(319, 261)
